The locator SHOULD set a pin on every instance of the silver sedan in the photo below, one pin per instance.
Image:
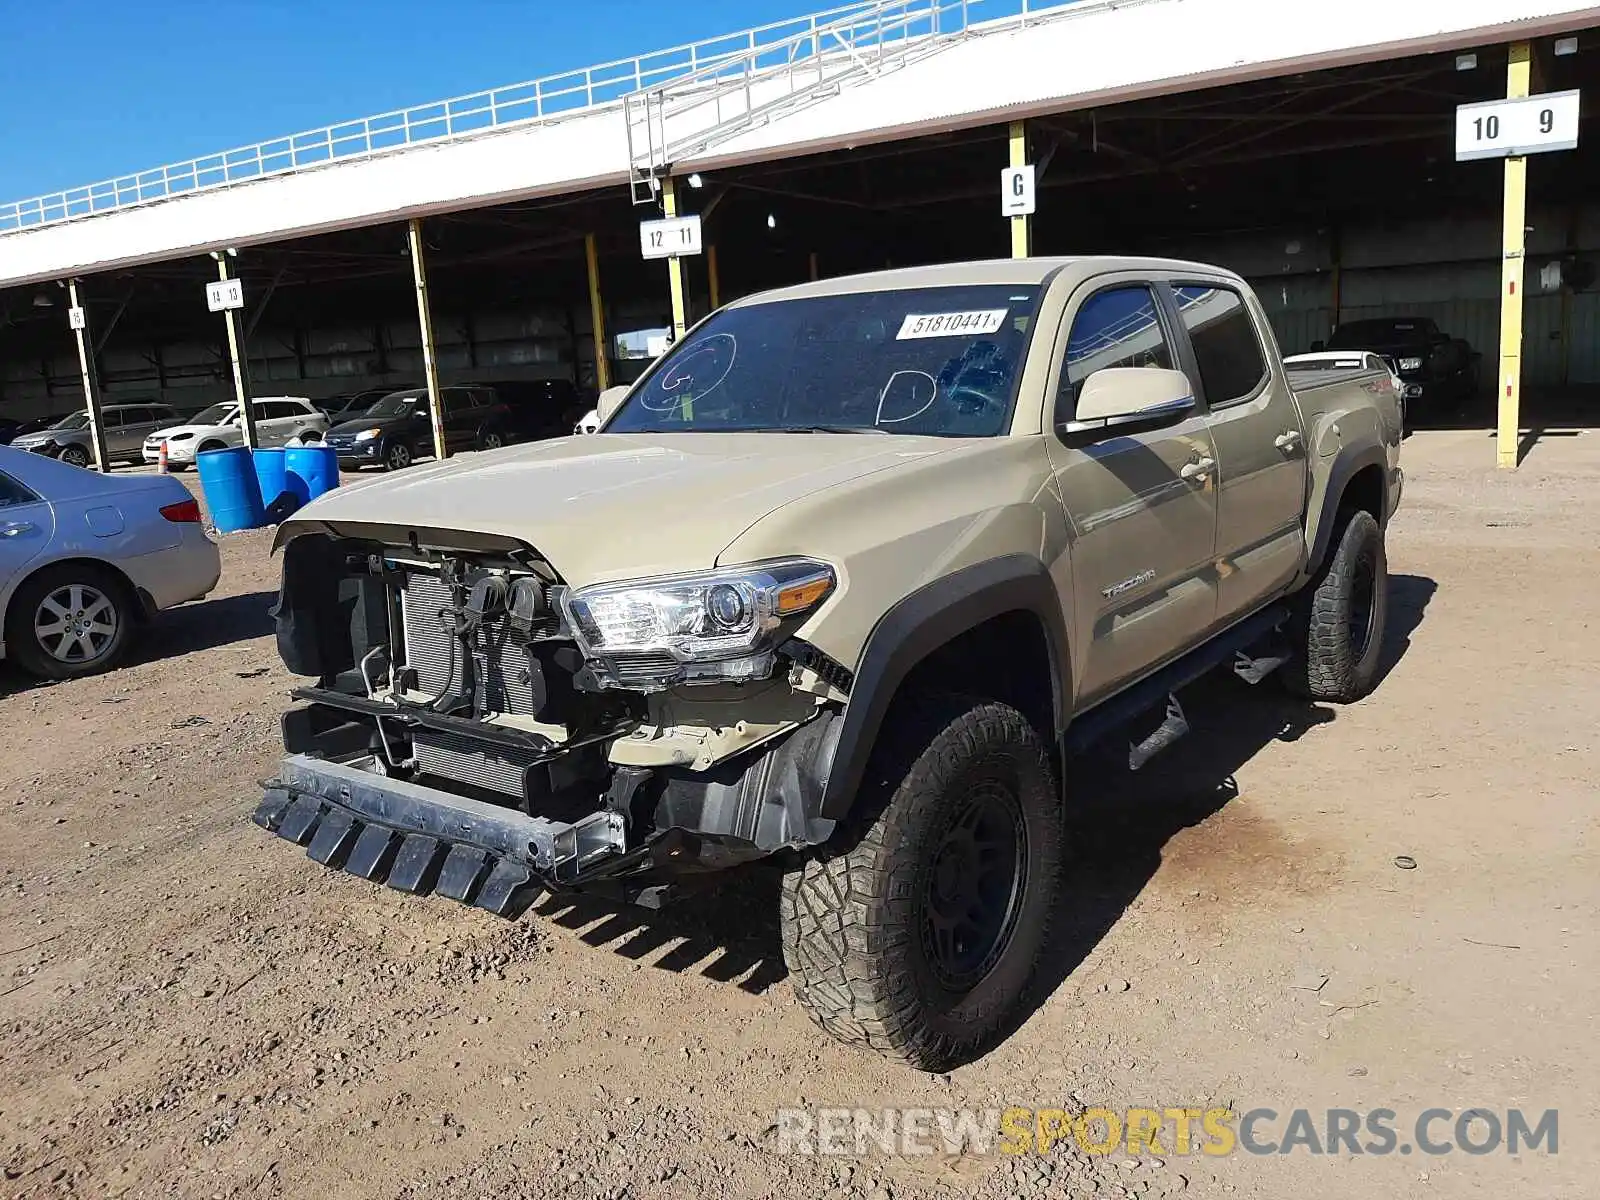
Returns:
(85, 558)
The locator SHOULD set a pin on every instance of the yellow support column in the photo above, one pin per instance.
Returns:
(1021, 231)
(430, 365)
(1519, 78)
(597, 315)
(711, 276)
(669, 204)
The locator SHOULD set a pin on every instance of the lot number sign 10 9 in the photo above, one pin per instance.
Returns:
(1506, 128)
(670, 237)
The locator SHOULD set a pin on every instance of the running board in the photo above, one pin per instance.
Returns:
(1174, 727)
(1254, 670)
(1152, 691)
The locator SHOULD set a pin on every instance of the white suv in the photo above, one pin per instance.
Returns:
(280, 421)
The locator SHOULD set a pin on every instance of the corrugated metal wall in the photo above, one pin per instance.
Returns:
(1447, 270)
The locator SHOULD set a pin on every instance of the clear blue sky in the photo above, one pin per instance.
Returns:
(105, 87)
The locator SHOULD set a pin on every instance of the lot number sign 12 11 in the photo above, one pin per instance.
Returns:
(1505, 128)
(670, 237)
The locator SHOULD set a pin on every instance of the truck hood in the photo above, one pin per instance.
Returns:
(616, 506)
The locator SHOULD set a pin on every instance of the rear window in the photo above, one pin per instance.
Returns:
(1227, 348)
(932, 361)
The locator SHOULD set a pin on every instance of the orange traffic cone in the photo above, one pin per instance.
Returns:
(161, 459)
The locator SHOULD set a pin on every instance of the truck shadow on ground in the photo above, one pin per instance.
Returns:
(1120, 824)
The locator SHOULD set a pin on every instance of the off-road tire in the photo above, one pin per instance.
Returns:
(854, 913)
(23, 645)
(1338, 622)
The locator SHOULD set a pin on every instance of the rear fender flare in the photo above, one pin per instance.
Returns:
(1341, 471)
(920, 624)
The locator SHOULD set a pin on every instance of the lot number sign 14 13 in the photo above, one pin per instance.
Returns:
(670, 237)
(1504, 128)
(225, 294)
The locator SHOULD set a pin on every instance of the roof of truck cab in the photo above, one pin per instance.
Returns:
(1022, 272)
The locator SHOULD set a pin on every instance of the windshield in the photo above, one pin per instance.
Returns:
(933, 361)
(75, 420)
(217, 414)
(1356, 334)
(395, 404)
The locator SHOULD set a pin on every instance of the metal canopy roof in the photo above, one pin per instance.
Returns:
(1057, 58)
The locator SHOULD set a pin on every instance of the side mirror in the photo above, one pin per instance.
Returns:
(1130, 400)
(1317, 347)
(610, 400)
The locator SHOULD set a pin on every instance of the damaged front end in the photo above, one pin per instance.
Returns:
(479, 728)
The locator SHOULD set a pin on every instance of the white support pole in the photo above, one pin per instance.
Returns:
(91, 380)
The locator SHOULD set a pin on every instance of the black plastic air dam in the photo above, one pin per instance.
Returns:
(421, 839)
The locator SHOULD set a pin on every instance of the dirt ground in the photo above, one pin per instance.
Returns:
(190, 1007)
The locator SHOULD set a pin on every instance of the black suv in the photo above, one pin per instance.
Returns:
(541, 408)
(397, 429)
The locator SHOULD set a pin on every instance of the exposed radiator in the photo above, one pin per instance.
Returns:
(466, 760)
(500, 663)
(503, 680)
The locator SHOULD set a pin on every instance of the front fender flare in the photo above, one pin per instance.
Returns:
(918, 625)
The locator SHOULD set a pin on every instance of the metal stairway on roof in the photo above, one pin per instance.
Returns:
(744, 89)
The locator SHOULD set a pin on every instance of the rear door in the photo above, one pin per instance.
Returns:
(279, 421)
(1260, 446)
(1141, 508)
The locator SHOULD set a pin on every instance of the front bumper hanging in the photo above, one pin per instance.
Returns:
(420, 839)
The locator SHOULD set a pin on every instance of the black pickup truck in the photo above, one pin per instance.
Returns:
(1439, 372)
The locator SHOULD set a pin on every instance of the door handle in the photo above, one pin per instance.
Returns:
(1288, 440)
(1198, 469)
(13, 529)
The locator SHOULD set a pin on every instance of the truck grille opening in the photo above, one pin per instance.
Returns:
(642, 667)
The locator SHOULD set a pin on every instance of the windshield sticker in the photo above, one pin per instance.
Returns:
(951, 324)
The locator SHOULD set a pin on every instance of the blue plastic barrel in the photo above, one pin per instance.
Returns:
(232, 491)
(312, 470)
(271, 473)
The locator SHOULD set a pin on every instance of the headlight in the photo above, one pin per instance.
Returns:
(1411, 364)
(177, 437)
(366, 435)
(706, 628)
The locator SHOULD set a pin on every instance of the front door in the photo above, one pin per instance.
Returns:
(115, 430)
(26, 527)
(1260, 447)
(1141, 508)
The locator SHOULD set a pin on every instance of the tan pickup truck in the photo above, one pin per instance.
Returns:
(849, 576)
